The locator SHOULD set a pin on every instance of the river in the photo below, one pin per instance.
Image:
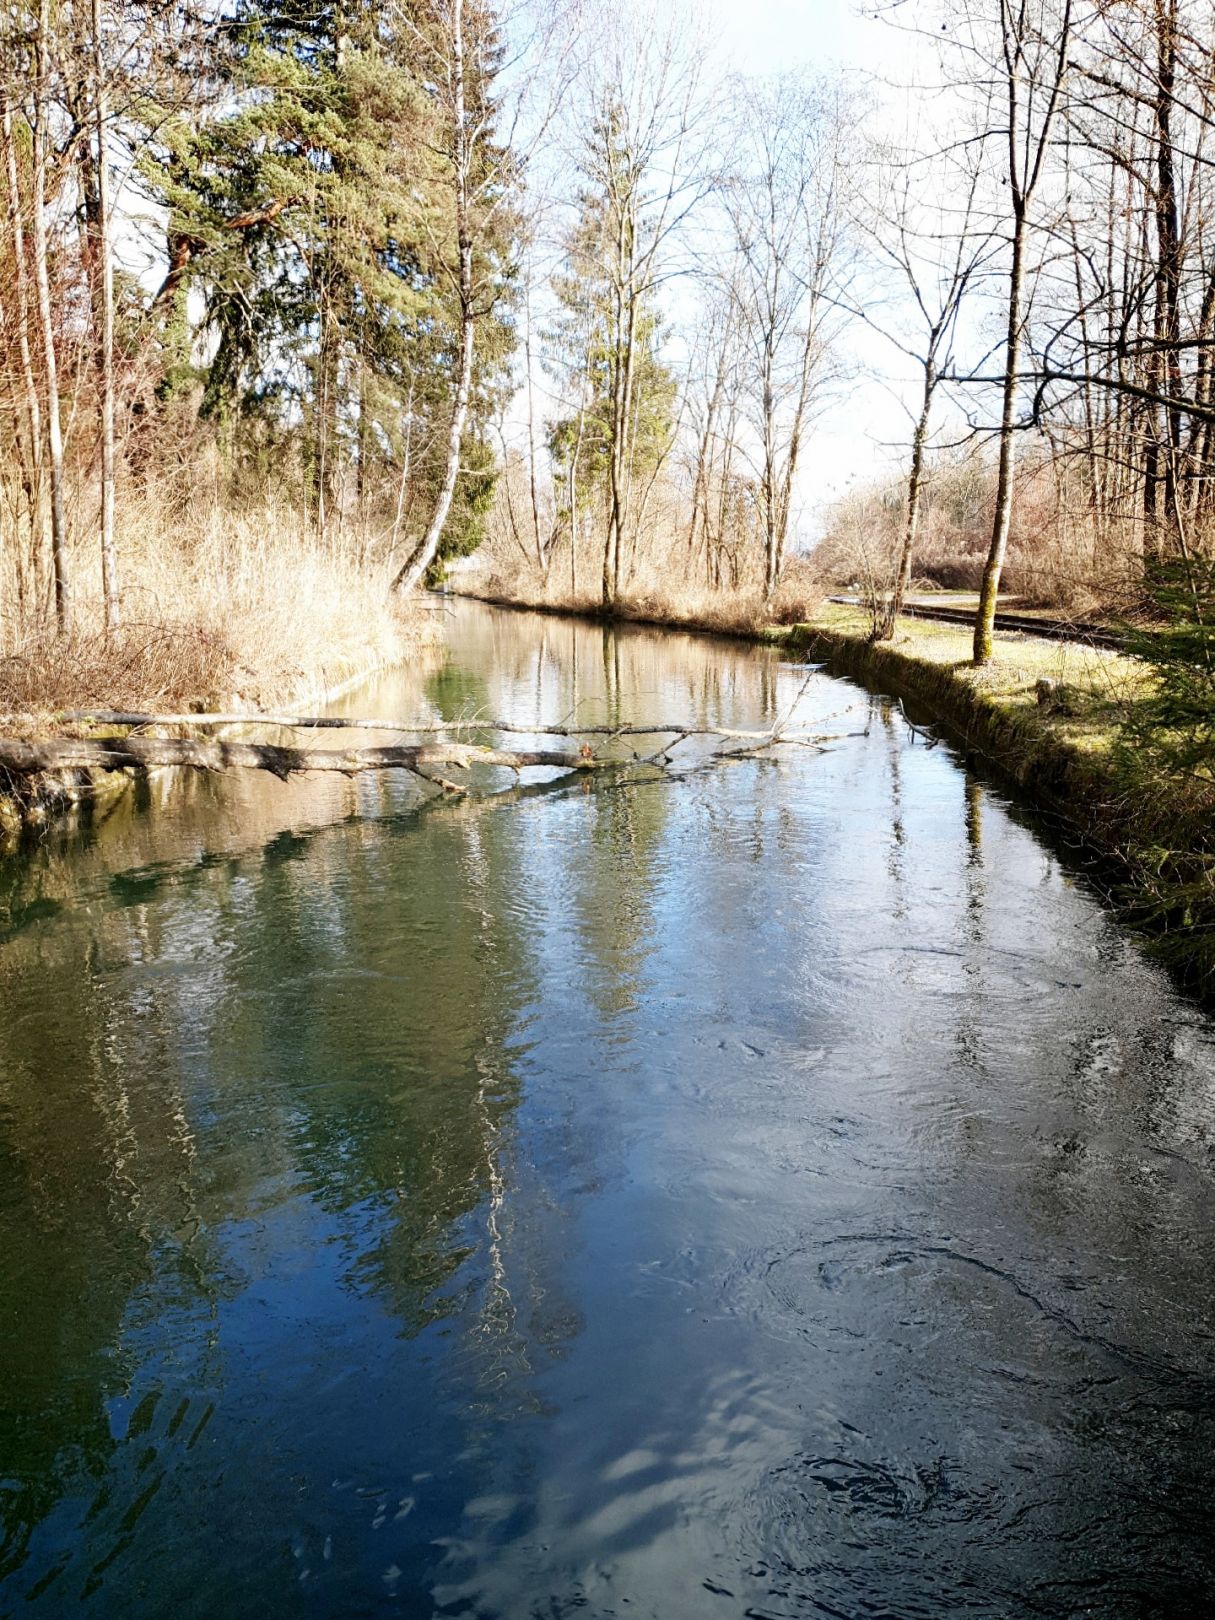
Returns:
(775, 1190)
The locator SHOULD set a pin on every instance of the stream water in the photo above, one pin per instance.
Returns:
(778, 1190)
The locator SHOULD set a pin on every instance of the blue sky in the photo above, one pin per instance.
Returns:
(768, 36)
(865, 433)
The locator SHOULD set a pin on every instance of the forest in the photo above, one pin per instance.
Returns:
(301, 301)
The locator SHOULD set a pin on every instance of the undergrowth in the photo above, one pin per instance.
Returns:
(219, 610)
(666, 600)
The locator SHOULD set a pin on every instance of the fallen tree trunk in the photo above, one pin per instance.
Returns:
(38, 767)
(329, 722)
(23, 758)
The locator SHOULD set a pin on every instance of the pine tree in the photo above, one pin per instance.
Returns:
(1167, 757)
(311, 215)
(596, 337)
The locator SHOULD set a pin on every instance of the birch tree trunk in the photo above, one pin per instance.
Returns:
(109, 560)
(413, 571)
(46, 320)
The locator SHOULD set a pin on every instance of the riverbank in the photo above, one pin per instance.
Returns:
(1048, 717)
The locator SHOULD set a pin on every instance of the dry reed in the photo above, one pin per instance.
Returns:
(235, 609)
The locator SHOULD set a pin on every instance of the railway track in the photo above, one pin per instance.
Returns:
(1026, 624)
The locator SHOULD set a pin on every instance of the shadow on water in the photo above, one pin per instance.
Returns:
(777, 1191)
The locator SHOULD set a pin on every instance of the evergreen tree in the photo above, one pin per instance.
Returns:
(1167, 755)
(309, 212)
(594, 338)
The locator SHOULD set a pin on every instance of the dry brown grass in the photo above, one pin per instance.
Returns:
(656, 590)
(726, 612)
(1058, 559)
(223, 609)
(665, 577)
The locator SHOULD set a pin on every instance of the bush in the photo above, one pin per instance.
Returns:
(1173, 727)
(1167, 758)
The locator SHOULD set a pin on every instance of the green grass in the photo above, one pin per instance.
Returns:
(1096, 686)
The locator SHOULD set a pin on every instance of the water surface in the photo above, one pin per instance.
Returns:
(777, 1191)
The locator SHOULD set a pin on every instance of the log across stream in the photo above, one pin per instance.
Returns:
(26, 760)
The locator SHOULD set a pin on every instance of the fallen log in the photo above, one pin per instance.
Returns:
(329, 722)
(24, 758)
(27, 761)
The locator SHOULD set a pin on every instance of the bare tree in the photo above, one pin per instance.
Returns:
(1026, 45)
(105, 315)
(1123, 362)
(783, 201)
(41, 133)
(634, 134)
(30, 440)
(937, 252)
(714, 375)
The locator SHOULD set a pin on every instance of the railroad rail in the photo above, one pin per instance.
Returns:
(1026, 624)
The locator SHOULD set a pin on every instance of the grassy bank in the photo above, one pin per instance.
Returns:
(1049, 717)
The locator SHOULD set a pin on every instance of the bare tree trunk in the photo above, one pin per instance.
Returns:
(511, 519)
(541, 551)
(623, 494)
(574, 459)
(109, 561)
(797, 428)
(210, 754)
(1026, 74)
(990, 589)
(619, 469)
(1165, 364)
(1096, 505)
(29, 380)
(324, 410)
(361, 484)
(63, 599)
(902, 579)
(769, 473)
(406, 471)
(715, 539)
(414, 570)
